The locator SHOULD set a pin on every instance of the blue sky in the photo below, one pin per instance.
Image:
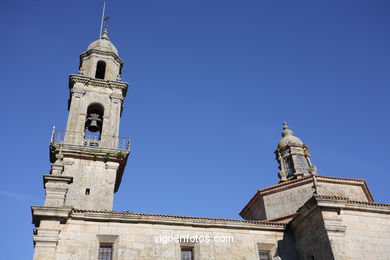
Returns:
(210, 84)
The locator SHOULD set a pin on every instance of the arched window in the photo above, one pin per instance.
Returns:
(93, 124)
(100, 70)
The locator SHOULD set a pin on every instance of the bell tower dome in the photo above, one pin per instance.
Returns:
(101, 60)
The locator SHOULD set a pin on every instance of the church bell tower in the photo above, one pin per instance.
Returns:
(88, 158)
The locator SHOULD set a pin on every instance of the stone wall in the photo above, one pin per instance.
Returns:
(284, 199)
(310, 236)
(367, 235)
(80, 239)
(96, 176)
(335, 228)
(286, 202)
(352, 192)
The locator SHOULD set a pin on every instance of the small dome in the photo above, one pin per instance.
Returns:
(103, 44)
(288, 138)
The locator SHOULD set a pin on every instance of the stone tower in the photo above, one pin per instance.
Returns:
(88, 158)
(293, 157)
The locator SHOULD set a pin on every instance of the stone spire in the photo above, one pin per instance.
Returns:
(293, 157)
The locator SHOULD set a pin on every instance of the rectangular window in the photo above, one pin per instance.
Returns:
(105, 252)
(302, 163)
(264, 255)
(187, 253)
(289, 166)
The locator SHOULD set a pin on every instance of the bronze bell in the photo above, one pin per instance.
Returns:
(92, 122)
(93, 127)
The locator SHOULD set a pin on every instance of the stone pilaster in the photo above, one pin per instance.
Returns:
(47, 221)
(56, 187)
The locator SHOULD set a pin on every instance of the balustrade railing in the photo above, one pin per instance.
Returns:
(89, 139)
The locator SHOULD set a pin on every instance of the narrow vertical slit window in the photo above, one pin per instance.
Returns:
(105, 252)
(187, 253)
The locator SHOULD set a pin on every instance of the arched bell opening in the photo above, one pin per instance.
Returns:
(93, 124)
(100, 70)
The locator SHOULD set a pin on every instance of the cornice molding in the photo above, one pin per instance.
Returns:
(88, 53)
(75, 78)
(50, 213)
(129, 217)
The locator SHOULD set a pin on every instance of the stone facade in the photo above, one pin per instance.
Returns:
(134, 237)
(304, 216)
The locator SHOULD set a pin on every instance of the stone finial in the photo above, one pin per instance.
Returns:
(286, 130)
(288, 139)
(105, 35)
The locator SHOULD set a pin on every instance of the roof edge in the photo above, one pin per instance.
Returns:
(125, 216)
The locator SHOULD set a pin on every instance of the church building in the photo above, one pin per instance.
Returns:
(305, 216)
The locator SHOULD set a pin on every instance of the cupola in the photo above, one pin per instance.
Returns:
(101, 60)
(293, 157)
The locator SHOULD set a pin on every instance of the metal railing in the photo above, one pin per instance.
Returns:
(89, 139)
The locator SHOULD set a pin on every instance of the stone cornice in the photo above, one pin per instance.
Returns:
(368, 206)
(56, 178)
(128, 217)
(116, 57)
(76, 78)
(44, 213)
(89, 151)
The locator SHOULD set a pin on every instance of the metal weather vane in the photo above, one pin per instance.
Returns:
(104, 22)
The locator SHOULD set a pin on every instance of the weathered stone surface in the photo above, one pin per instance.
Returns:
(286, 198)
(137, 240)
(333, 228)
